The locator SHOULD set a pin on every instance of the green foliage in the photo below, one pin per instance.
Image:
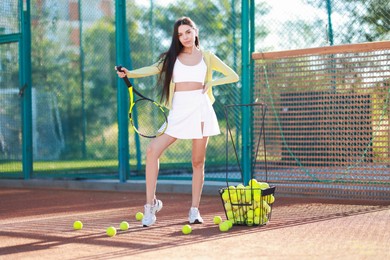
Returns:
(367, 20)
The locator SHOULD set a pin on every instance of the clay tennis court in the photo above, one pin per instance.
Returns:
(37, 224)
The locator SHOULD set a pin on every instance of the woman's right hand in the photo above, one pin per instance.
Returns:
(122, 73)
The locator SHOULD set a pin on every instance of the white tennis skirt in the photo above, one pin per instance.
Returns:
(189, 110)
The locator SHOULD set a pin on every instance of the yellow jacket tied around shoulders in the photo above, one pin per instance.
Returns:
(213, 64)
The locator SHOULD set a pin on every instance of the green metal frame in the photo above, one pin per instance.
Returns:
(330, 26)
(25, 75)
(23, 38)
(25, 79)
(82, 76)
(247, 45)
(123, 131)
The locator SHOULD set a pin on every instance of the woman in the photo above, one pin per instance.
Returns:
(185, 73)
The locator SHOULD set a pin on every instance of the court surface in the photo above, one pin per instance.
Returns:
(38, 224)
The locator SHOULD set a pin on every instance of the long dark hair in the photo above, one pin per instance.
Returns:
(169, 58)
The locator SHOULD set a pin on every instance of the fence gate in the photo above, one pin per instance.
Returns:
(11, 89)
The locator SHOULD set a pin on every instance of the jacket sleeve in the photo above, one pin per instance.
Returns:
(229, 75)
(145, 71)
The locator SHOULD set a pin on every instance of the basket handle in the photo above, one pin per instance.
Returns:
(228, 133)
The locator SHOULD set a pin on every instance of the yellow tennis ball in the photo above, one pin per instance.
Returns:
(266, 207)
(232, 189)
(238, 217)
(186, 229)
(124, 225)
(256, 195)
(111, 231)
(139, 216)
(240, 188)
(230, 223)
(270, 199)
(248, 194)
(228, 206)
(233, 198)
(225, 195)
(217, 220)
(77, 225)
(254, 184)
(250, 214)
(224, 226)
(249, 222)
(241, 211)
(263, 185)
(230, 214)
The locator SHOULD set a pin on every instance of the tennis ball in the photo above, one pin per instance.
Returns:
(263, 185)
(186, 229)
(270, 199)
(224, 226)
(217, 220)
(248, 194)
(228, 206)
(240, 211)
(111, 231)
(230, 214)
(240, 188)
(230, 223)
(266, 207)
(254, 184)
(258, 212)
(257, 195)
(124, 225)
(77, 225)
(233, 198)
(249, 222)
(232, 189)
(250, 214)
(225, 195)
(238, 217)
(139, 216)
(238, 196)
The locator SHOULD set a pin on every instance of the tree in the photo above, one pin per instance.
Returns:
(363, 20)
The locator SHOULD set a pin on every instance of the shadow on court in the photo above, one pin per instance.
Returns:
(37, 224)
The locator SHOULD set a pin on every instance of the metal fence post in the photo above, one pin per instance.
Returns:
(330, 27)
(123, 132)
(25, 72)
(245, 97)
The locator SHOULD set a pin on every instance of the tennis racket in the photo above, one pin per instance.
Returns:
(147, 117)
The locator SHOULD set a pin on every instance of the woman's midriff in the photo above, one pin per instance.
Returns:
(188, 86)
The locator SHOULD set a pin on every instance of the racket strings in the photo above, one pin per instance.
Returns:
(148, 118)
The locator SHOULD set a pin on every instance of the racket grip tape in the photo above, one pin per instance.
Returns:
(126, 79)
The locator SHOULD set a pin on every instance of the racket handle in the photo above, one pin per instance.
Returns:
(126, 79)
(119, 68)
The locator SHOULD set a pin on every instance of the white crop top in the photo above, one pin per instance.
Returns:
(189, 73)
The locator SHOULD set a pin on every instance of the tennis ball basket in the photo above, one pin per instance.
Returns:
(249, 204)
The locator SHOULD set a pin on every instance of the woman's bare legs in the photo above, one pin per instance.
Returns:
(198, 161)
(155, 148)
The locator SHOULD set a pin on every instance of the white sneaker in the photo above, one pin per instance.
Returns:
(194, 216)
(150, 213)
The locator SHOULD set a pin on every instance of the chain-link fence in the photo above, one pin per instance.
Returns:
(328, 126)
(74, 97)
